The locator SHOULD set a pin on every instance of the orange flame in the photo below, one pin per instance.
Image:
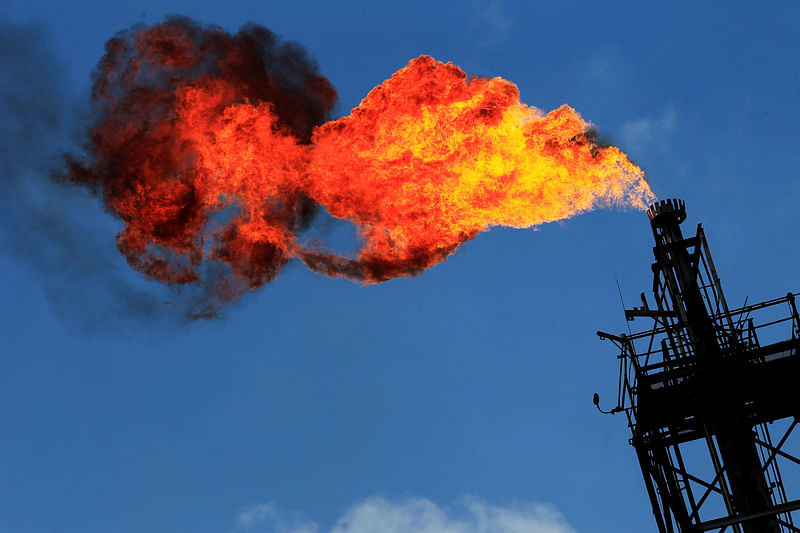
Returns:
(195, 123)
(431, 158)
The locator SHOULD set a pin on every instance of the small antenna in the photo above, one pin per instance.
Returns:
(622, 302)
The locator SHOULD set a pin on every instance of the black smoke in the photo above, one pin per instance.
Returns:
(59, 232)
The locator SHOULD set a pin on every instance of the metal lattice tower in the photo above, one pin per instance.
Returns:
(702, 386)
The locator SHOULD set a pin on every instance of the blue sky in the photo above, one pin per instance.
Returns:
(457, 399)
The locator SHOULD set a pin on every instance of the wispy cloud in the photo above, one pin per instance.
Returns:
(267, 517)
(603, 67)
(415, 515)
(649, 131)
(495, 19)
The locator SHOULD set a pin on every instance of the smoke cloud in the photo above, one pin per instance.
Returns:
(169, 97)
(59, 232)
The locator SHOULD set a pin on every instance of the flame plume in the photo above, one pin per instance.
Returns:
(214, 149)
(431, 158)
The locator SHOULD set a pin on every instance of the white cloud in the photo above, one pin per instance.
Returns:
(267, 518)
(255, 513)
(416, 515)
(646, 131)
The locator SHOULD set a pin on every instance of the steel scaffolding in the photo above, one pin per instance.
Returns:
(701, 388)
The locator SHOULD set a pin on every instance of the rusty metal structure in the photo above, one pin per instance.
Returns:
(704, 388)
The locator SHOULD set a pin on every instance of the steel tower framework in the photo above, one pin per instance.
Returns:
(701, 388)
